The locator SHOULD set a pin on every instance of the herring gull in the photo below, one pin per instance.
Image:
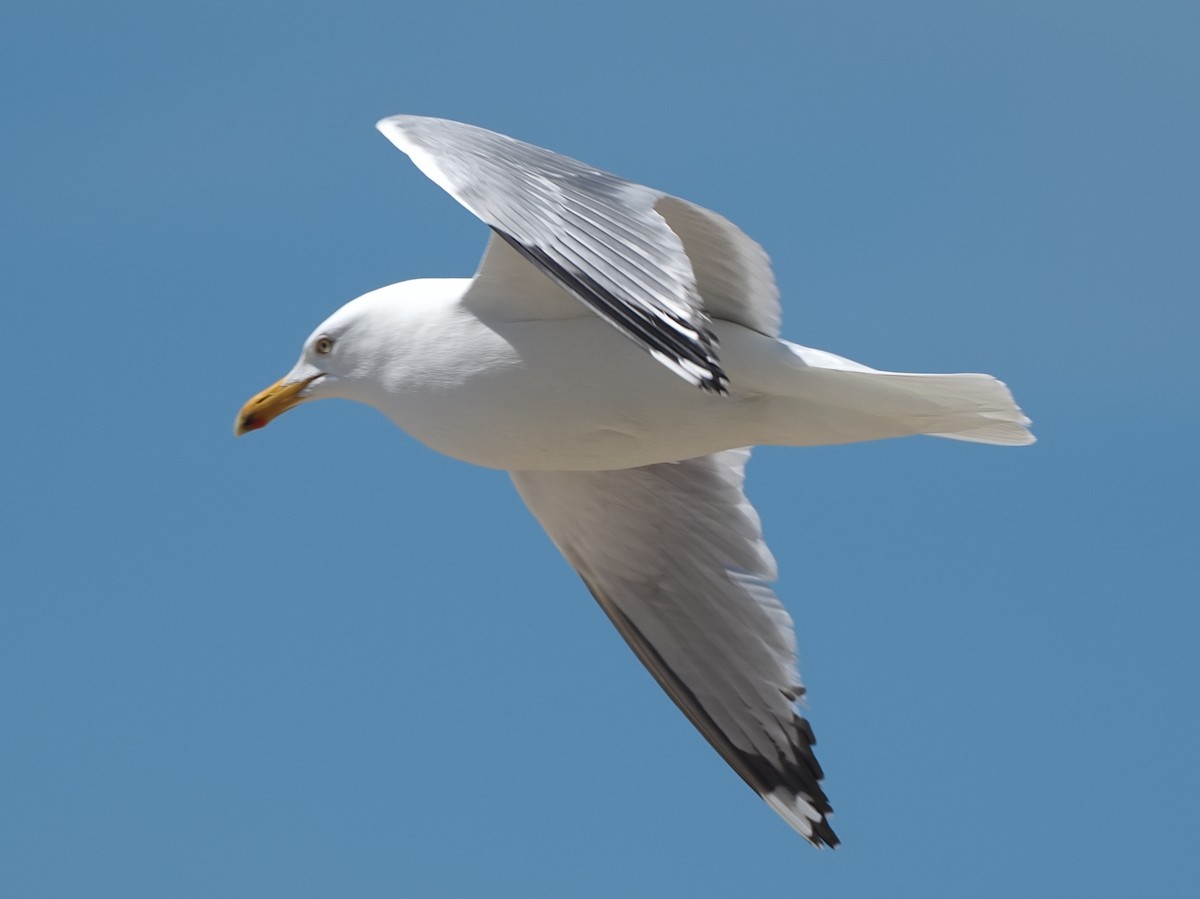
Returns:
(618, 353)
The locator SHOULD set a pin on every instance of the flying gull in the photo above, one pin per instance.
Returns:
(617, 353)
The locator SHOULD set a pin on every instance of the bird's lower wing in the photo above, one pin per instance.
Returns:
(675, 556)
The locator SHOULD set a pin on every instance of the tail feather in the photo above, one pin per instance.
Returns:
(871, 403)
(1000, 433)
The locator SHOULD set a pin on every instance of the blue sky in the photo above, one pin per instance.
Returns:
(322, 661)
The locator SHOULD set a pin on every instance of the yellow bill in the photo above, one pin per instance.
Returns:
(270, 404)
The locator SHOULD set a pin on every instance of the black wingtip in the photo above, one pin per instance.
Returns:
(823, 835)
(717, 383)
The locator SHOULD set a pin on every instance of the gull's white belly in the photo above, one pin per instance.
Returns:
(560, 394)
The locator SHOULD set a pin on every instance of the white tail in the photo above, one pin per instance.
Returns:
(844, 401)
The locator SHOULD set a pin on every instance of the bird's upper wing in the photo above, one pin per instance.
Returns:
(653, 265)
(675, 556)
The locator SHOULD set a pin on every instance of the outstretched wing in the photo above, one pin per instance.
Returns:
(653, 265)
(675, 556)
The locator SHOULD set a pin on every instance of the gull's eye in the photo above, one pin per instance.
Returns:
(323, 345)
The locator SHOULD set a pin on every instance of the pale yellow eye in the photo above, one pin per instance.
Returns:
(323, 345)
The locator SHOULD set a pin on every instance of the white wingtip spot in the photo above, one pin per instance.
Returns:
(797, 811)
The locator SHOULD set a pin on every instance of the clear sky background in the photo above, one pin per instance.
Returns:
(323, 661)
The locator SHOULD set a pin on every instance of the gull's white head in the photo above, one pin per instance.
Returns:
(352, 355)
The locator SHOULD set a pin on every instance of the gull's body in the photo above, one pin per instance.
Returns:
(615, 352)
(575, 394)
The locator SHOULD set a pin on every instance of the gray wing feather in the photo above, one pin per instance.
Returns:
(674, 554)
(733, 273)
(624, 250)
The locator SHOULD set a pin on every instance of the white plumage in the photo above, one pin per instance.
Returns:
(572, 359)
